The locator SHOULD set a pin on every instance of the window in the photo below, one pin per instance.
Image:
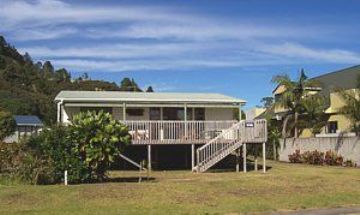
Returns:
(155, 114)
(135, 111)
(173, 113)
(332, 127)
(96, 109)
(199, 113)
(277, 97)
(189, 113)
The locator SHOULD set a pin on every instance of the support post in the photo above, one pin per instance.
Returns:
(237, 154)
(244, 157)
(264, 158)
(59, 107)
(124, 111)
(192, 156)
(240, 112)
(149, 157)
(161, 119)
(185, 120)
(256, 163)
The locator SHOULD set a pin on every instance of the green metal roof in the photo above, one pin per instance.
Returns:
(344, 79)
(120, 96)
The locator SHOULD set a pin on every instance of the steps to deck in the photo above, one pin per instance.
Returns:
(228, 141)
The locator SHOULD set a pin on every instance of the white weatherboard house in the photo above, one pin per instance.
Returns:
(159, 119)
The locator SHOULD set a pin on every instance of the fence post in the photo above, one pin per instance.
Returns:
(264, 157)
(66, 178)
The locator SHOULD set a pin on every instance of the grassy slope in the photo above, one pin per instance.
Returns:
(285, 186)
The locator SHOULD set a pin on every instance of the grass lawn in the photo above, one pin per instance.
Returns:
(284, 186)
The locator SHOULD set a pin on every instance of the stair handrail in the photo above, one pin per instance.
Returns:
(213, 153)
(227, 131)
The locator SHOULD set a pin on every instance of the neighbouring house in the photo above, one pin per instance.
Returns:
(336, 123)
(252, 113)
(170, 126)
(26, 125)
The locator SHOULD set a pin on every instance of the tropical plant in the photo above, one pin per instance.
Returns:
(7, 124)
(267, 102)
(351, 108)
(274, 135)
(98, 139)
(292, 99)
(314, 117)
(85, 149)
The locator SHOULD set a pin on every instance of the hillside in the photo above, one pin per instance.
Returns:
(28, 87)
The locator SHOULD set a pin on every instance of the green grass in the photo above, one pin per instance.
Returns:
(283, 187)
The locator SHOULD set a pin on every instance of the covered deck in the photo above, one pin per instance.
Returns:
(176, 132)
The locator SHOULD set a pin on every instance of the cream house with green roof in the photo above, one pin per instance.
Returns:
(206, 121)
(337, 123)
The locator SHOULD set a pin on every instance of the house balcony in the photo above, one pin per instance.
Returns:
(195, 132)
(176, 132)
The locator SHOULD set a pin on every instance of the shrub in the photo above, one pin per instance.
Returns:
(295, 157)
(314, 157)
(332, 159)
(349, 163)
(98, 139)
(85, 149)
(319, 158)
(19, 162)
(55, 144)
(7, 124)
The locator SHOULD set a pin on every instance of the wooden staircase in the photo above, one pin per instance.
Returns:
(228, 141)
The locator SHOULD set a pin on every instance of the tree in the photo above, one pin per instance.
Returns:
(351, 108)
(98, 139)
(62, 75)
(29, 88)
(149, 89)
(130, 85)
(27, 58)
(236, 114)
(7, 124)
(314, 117)
(267, 102)
(292, 99)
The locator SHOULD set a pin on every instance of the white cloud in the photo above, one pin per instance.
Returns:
(45, 17)
(53, 12)
(133, 38)
(26, 34)
(292, 50)
(118, 51)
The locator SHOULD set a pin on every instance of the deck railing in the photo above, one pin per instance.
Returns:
(229, 140)
(175, 132)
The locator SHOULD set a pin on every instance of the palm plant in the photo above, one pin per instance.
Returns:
(314, 117)
(351, 109)
(293, 99)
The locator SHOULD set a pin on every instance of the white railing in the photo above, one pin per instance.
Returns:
(254, 131)
(219, 147)
(172, 132)
(228, 141)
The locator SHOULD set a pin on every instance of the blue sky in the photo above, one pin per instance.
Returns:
(230, 47)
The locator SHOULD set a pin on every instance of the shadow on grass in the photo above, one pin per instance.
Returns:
(250, 167)
(129, 180)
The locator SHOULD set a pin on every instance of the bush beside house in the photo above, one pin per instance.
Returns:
(316, 157)
(85, 149)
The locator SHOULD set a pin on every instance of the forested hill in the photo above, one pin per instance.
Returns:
(28, 87)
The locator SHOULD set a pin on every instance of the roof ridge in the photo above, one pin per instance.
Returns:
(337, 71)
